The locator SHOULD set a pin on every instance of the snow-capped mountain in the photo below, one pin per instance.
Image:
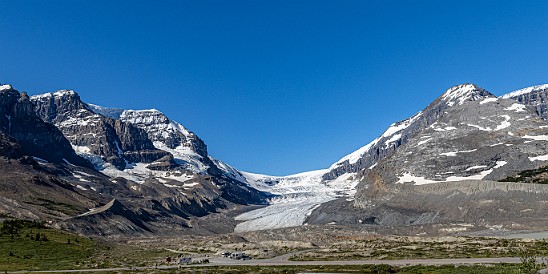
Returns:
(465, 134)
(145, 147)
(399, 133)
(299, 194)
(141, 172)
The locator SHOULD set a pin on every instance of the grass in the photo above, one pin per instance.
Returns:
(31, 246)
(28, 245)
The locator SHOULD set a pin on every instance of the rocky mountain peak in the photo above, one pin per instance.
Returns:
(101, 139)
(63, 93)
(399, 133)
(23, 97)
(165, 132)
(3, 87)
(465, 92)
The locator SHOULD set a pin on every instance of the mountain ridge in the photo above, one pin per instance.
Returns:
(159, 172)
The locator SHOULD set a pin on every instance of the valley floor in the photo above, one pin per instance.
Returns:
(27, 246)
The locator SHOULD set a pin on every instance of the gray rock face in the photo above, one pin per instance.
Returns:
(482, 140)
(440, 166)
(536, 97)
(161, 129)
(163, 176)
(37, 138)
(401, 132)
(474, 203)
(115, 141)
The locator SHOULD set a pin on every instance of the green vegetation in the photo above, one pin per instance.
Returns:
(535, 176)
(56, 206)
(27, 245)
(31, 246)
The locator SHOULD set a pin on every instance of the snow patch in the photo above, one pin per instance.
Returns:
(424, 141)
(138, 173)
(516, 107)
(353, 157)
(488, 100)
(418, 180)
(536, 137)
(475, 167)
(504, 124)
(81, 149)
(539, 158)
(394, 138)
(81, 187)
(454, 153)
(445, 129)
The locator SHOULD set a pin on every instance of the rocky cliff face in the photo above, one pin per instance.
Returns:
(536, 96)
(401, 132)
(466, 135)
(37, 138)
(91, 134)
(446, 170)
(483, 140)
(155, 166)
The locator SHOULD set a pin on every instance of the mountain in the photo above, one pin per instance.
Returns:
(37, 138)
(439, 166)
(110, 171)
(468, 161)
(399, 133)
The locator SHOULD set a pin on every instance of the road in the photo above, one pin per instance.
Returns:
(283, 260)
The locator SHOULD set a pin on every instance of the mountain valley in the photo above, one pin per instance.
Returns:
(456, 167)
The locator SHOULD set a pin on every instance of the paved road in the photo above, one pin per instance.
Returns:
(283, 260)
(277, 261)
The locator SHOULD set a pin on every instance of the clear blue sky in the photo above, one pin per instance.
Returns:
(274, 87)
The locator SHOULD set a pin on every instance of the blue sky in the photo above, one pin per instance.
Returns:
(274, 87)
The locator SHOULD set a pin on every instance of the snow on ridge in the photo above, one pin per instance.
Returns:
(3, 87)
(113, 113)
(59, 93)
(524, 91)
(154, 118)
(461, 93)
(63, 92)
(356, 155)
(185, 156)
(390, 133)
